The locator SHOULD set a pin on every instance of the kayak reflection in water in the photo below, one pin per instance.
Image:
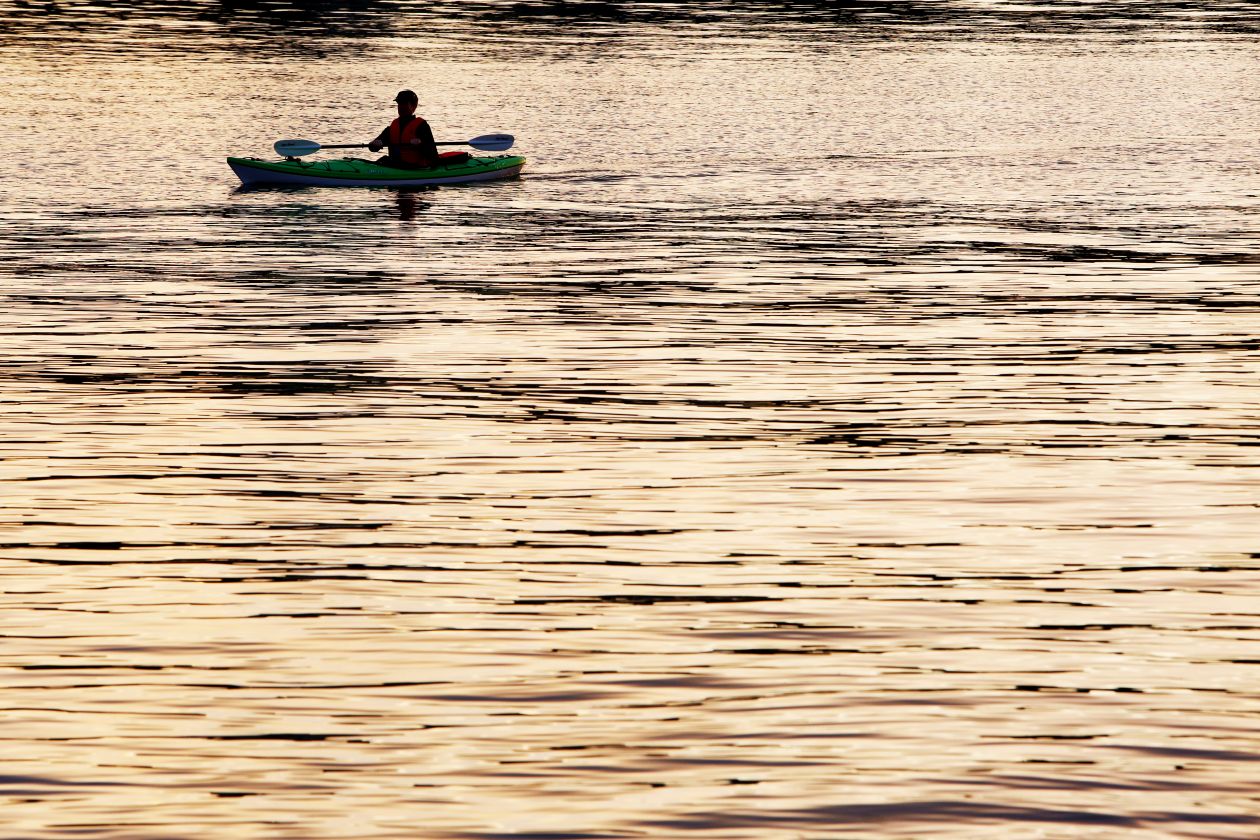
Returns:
(409, 205)
(409, 138)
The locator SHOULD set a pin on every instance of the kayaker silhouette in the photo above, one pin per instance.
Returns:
(409, 138)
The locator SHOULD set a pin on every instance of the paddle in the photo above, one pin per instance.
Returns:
(486, 142)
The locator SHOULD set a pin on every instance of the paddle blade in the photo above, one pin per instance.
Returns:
(493, 142)
(296, 148)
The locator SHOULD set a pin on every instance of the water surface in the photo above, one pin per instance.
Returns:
(846, 427)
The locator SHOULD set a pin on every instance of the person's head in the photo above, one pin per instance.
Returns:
(407, 102)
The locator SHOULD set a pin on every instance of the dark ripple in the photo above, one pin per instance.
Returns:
(320, 29)
(45, 782)
(913, 812)
(587, 408)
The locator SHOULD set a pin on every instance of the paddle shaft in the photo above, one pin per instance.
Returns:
(365, 145)
(486, 142)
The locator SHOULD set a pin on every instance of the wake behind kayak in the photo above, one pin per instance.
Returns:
(353, 172)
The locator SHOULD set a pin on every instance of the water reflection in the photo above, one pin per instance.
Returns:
(887, 475)
(409, 203)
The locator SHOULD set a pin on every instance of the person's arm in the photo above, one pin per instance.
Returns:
(424, 139)
(381, 141)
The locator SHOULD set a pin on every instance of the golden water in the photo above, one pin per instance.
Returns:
(847, 427)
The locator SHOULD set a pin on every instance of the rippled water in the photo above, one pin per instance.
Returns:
(846, 427)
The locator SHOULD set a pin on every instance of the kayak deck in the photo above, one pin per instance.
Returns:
(355, 172)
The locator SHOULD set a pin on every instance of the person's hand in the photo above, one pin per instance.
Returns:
(415, 141)
(374, 146)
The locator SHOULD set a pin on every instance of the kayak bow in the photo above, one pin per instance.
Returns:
(352, 172)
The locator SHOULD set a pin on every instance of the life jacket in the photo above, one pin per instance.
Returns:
(400, 138)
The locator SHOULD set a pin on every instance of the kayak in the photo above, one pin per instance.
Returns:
(353, 172)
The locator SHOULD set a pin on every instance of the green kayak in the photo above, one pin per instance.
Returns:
(353, 172)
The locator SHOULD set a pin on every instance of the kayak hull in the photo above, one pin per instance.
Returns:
(353, 172)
